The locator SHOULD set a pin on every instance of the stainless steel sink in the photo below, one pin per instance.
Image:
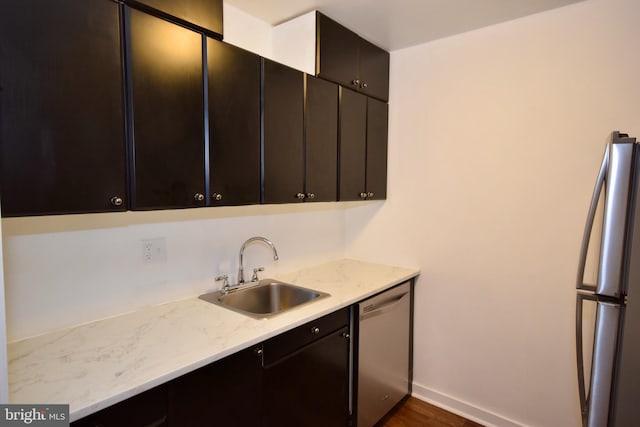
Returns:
(264, 298)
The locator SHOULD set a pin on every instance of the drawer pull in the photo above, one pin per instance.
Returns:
(315, 330)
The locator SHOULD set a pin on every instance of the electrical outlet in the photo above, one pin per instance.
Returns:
(154, 251)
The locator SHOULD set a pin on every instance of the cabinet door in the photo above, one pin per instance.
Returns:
(352, 145)
(143, 410)
(203, 13)
(377, 136)
(225, 393)
(61, 100)
(168, 114)
(234, 124)
(337, 52)
(374, 71)
(283, 99)
(311, 386)
(321, 140)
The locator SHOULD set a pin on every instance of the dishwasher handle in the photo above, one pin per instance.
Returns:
(384, 306)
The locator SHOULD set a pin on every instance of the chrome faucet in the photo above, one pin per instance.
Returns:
(250, 240)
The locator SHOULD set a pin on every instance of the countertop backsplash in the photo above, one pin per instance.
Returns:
(73, 269)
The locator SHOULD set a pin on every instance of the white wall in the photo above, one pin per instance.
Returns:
(245, 31)
(294, 42)
(495, 139)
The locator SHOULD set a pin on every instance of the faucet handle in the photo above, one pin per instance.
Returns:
(225, 281)
(254, 278)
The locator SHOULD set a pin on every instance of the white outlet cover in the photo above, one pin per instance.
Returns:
(154, 251)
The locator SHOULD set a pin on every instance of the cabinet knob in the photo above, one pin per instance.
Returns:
(300, 196)
(311, 196)
(216, 196)
(363, 85)
(355, 82)
(369, 194)
(198, 197)
(315, 330)
(259, 352)
(346, 335)
(363, 195)
(117, 201)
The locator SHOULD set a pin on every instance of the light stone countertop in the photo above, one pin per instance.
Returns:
(95, 365)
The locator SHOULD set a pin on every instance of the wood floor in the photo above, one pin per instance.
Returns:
(416, 413)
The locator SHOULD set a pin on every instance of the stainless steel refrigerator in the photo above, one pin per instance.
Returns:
(608, 301)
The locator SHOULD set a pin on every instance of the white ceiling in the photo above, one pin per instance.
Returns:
(395, 24)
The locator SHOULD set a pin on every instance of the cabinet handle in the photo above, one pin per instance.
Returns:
(363, 195)
(363, 85)
(300, 196)
(311, 196)
(346, 335)
(116, 201)
(369, 194)
(259, 352)
(217, 196)
(315, 330)
(198, 197)
(355, 82)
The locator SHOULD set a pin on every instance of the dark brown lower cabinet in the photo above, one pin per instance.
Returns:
(310, 387)
(226, 393)
(298, 378)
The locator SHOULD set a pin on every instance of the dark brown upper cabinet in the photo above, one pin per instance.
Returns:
(300, 136)
(362, 147)
(321, 140)
(167, 113)
(377, 144)
(283, 133)
(346, 58)
(61, 108)
(234, 124)
(206, 14)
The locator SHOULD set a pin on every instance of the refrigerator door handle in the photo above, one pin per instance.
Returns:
(590, 219)
(582, 389)
(595, 404)
(614, 226)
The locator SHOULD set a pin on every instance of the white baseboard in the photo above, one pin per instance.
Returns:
(464, 409)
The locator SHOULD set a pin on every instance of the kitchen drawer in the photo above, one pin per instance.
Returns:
(288, 342)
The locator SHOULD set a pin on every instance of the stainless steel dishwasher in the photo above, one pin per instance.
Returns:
(384, 332)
